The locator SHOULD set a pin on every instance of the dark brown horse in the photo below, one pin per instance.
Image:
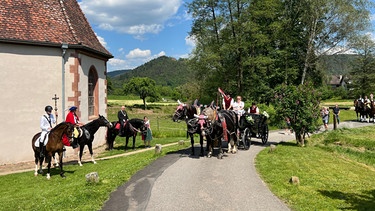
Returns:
(196, 123)
(224, 128)
(87, 136)
(53, 146)
(131, 129)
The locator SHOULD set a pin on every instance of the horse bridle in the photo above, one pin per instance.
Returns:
(180, 114)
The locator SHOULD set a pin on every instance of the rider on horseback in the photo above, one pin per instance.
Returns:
(122, 118)
(46, 122)
(367, 102)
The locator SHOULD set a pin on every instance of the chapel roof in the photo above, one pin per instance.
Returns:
(48, 22)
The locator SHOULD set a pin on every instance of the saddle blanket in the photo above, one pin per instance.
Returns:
(39, 140)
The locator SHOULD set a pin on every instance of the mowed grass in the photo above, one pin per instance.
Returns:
(336, 171)
(24, 191)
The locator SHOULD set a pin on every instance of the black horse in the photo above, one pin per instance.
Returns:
(224, 128)
(87, 136)
(131, 128)
(53, 146)
(361, 110)
(196, 124)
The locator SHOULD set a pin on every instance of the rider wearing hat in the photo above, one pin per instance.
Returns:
(72, 117)
(46, 122)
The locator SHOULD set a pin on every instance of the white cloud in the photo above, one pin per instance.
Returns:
(134, 17)
(190, 41)
(133, 59)
(138, 53)
(102, 41)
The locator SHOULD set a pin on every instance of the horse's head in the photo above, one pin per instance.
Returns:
(64, 128)
(180, 113)
(104, 121)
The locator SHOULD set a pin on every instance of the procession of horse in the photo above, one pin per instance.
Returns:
(365, 109)
(221, 129)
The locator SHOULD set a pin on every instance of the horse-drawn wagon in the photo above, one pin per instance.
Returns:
(253, 126)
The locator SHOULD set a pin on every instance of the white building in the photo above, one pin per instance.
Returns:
(47, 47)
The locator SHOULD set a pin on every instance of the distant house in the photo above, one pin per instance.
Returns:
(47, 48)
(337, 81)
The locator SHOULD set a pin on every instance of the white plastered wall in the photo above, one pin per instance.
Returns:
(31, 76)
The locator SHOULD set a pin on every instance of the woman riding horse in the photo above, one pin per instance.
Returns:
(54, 145)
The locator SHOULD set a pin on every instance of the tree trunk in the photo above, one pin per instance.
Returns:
(300, 139)
(144, 103)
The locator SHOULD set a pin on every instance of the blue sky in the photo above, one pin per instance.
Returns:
(137, 31)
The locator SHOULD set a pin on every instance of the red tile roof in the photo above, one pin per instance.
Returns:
(48, 22)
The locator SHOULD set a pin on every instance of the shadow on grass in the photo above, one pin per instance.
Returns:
(365, 201)
(56, 172)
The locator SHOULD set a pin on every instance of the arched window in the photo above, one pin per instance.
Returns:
(93, 92)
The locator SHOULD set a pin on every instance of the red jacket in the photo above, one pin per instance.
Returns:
(71, 118)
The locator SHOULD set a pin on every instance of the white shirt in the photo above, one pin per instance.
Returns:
(238, 107)
(45, 122)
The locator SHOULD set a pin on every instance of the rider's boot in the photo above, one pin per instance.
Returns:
(42, 149)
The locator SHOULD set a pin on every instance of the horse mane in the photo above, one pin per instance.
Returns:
(59, 125)
(191, 110)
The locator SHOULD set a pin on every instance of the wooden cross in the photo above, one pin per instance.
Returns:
(55, 99)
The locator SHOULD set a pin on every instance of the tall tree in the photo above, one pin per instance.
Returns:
(143, 86)
(363, 72)
(329, 25)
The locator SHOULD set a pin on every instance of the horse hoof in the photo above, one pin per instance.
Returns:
(35, 173)
(220, 156)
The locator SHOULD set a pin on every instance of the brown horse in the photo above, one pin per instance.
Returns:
(53, 146)
(224, 128)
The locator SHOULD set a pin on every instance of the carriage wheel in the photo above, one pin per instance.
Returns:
(265, 134)
(246, 139)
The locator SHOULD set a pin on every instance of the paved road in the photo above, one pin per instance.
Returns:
(182, 182)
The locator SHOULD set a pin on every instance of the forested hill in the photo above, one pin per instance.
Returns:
(166, 71)
(339, 64)
(117, 73)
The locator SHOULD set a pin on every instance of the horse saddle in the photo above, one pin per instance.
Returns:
(44, 141)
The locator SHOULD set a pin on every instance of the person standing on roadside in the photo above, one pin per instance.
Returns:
(336, 112)
(325, 117)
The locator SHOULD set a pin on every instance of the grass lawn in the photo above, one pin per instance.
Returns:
(23, 191)
(336, 170)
